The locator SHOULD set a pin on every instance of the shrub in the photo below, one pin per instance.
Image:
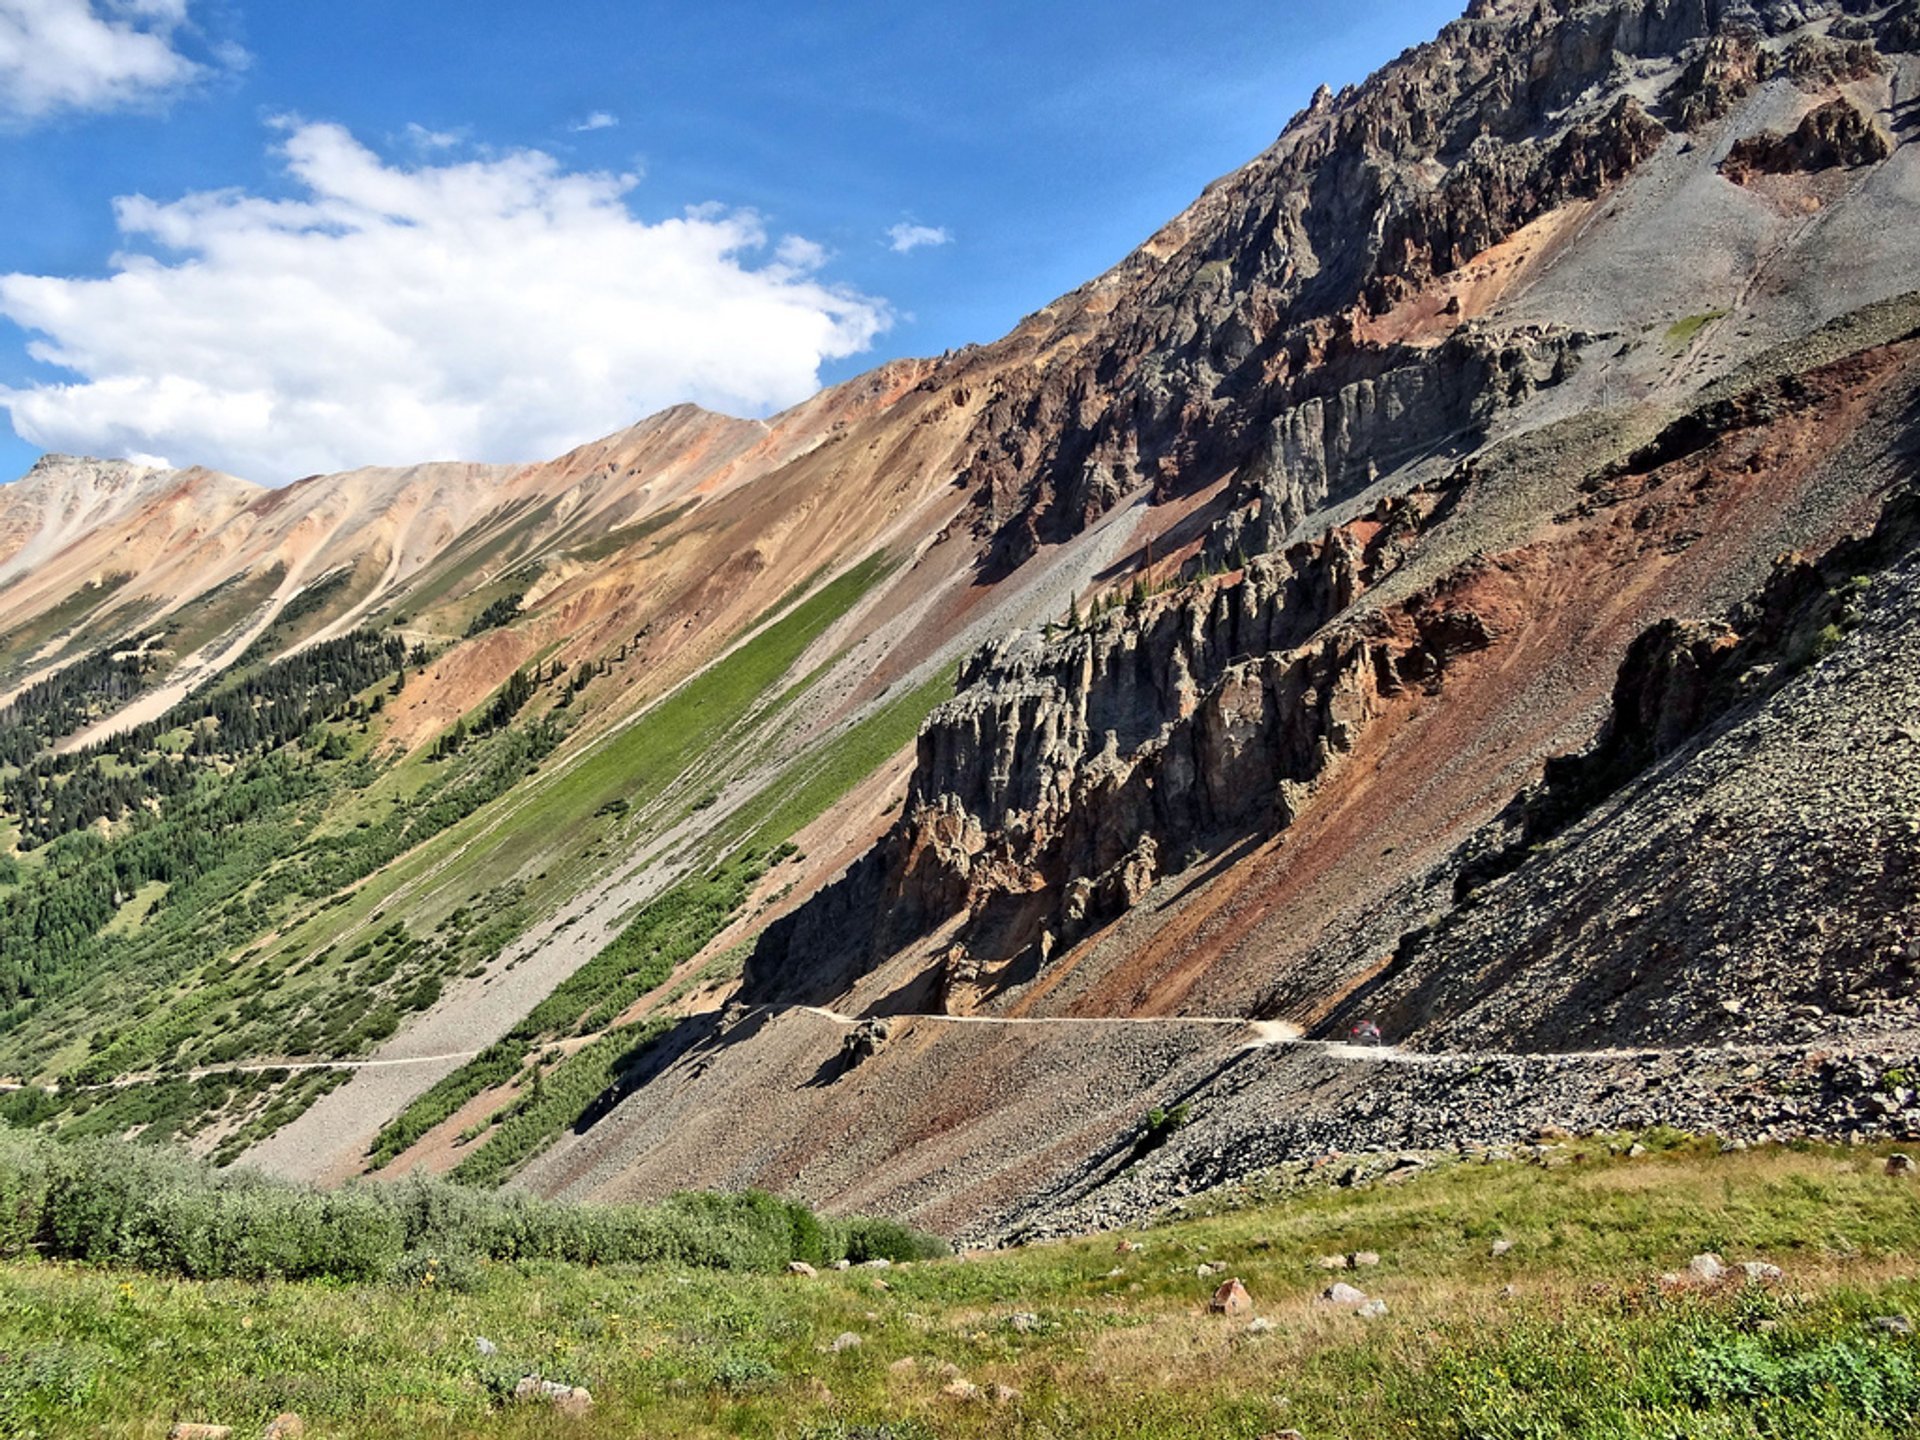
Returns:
(107, 1202)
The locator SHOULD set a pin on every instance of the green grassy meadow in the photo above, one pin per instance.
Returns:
(1570, 1332)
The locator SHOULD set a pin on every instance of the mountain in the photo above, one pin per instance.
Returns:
(1452, 578)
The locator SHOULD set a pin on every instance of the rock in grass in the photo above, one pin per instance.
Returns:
(484, 1346)
(194, 1430)
(1231, 1299)
(285, 1426)
(800, 1267)
(1892, 1324)
(567, 1399)
(960, 1390)
(1363, 1259)
(845, 1340)
(1898, 1164)
(1501, 1247)
(1759, 1272)
(1005, 1395)
(1372, 1310)
(1341, 1293)
(1706, 1268)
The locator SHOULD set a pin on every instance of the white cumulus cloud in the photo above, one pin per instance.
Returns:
(78, 55)
(906, 237)
(498, 309)
(598, 120)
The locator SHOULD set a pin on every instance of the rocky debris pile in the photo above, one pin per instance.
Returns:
(1733, 859)
(1395, 1121)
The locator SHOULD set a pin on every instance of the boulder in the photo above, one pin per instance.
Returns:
(1341, 1293)
(1372, 1310)
(1231, 1299)
(960, 1390)
(800, 1267)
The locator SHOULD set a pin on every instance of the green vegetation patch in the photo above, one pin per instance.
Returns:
(1682, 332)
(157, 1211)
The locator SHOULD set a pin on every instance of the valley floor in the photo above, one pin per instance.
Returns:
(1552, 1293)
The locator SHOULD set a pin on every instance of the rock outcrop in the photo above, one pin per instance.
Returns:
(1834, 134)
(1073, 771)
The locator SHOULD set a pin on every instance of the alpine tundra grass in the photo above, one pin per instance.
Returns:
(1582, 1325)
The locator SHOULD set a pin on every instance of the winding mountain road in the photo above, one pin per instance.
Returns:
(1264, 1034)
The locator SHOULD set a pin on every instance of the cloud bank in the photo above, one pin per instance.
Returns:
(78, 55)
(498, 309)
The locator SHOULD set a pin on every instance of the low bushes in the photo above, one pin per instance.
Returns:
(111, 1203)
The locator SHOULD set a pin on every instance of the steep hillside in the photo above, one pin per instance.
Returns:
(1248, 594)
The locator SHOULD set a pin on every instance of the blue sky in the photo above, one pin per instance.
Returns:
(279, 238)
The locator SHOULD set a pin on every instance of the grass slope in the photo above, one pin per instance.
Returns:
(1570, 1332)
(667, 932)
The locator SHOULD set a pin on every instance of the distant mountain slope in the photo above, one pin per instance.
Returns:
(1274, 568)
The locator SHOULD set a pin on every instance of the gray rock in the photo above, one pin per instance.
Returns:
(1706, 1268)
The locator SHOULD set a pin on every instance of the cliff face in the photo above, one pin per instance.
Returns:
(1246, 340)
(1311, 362)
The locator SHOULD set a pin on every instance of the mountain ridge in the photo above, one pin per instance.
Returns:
(1272, 567)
